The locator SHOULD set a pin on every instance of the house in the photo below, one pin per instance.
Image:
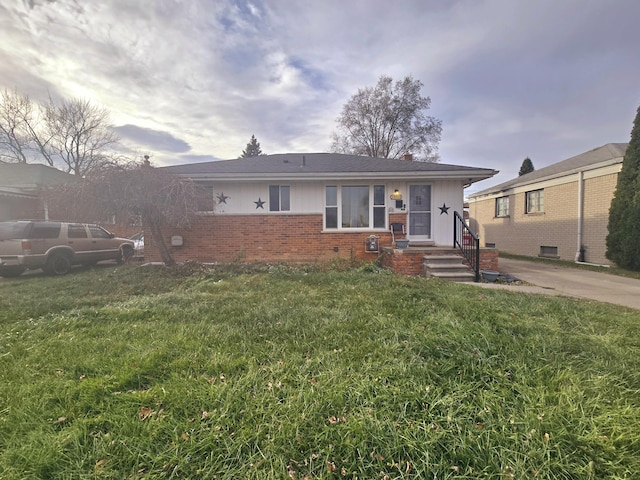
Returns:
(314, 207)
(21, 186)
(560, 211)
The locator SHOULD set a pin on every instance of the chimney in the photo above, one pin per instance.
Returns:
(406, 156)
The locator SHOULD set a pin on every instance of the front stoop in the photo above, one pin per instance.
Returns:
(447, 267)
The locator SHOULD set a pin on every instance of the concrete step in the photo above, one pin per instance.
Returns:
(448, 267)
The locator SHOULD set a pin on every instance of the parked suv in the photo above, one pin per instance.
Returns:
(55, 246)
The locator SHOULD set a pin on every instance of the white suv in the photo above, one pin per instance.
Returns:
(55, 246)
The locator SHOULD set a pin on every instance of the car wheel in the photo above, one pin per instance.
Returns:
(125, 254)
(58, 264)
(11, 271)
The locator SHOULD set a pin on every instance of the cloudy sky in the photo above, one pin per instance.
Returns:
(192, 80)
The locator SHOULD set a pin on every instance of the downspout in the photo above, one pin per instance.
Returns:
(579, 249)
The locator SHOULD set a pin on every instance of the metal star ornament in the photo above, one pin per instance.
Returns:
(222, 198)
(260, 203)
(444, 209)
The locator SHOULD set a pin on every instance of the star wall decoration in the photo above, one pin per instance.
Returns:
(222, 198)
(444, 209)
(260, 203)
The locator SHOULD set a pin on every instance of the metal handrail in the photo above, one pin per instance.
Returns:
(467, 242)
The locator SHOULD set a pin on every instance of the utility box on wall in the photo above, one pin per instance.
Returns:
(176, 241)
(371, 244)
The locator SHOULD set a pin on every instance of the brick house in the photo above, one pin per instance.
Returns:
(316, 207)
(560, 211)
(21, 186)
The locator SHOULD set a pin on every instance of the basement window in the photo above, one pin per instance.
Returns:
(548, 251)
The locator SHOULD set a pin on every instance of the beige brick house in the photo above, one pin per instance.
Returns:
(560, 211)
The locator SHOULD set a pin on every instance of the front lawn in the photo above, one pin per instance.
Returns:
(275, 372)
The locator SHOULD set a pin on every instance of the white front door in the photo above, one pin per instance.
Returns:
(420, 213)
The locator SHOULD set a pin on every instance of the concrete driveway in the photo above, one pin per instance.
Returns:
(574, 282)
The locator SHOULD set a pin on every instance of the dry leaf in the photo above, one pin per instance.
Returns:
(331, 466)
(145, 412)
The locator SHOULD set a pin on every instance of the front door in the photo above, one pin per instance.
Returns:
(420, 213)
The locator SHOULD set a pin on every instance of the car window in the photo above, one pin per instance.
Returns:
(98, 232)
(45, 230)
(11, 230)
(77, 231)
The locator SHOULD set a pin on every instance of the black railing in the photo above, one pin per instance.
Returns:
(467, 242)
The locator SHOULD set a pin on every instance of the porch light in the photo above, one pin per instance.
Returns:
(396, 195)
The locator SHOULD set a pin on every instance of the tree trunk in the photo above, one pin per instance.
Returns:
(156, 233)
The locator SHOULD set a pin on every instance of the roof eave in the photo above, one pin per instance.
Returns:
(469, 176)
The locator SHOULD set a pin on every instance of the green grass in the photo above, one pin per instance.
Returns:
(277, 372)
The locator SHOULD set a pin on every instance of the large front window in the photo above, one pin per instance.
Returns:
(355, 206)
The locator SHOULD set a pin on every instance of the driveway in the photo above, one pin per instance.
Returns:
(574, 282)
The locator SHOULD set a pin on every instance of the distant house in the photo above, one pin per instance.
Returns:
(317, 206)
(21, 186)
(560, 211)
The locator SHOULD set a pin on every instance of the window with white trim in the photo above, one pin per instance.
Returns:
(502, 207)
(534, 201)
(279, 198)
(355, 206)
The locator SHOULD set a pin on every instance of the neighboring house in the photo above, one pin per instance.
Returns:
(21, 186)
(317, 206)
(560, 211)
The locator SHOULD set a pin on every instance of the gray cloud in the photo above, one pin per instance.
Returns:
(193, 80)
(152, 139)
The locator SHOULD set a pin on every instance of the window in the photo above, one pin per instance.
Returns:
(534, 201)
(45, 230)
(77, 231)
(379, 207)
(548, 251)
(98, 232)
(331, 207)
(355, 206)
(279, 198)
(502, 207)
(204, 195)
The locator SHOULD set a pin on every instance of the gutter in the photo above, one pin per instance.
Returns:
(579, 248)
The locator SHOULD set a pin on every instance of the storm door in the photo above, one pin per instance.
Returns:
(420, 212)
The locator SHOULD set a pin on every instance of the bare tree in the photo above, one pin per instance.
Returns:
(77, 134)
(72, 134)
(16, 115)
(387, 121)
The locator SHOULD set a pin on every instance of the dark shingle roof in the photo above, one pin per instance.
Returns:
(611, 152)
(319, 165)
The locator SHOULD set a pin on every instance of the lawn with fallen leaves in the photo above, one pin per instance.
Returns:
(278, 372)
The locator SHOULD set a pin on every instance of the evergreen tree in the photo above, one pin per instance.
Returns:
(253, 148)
(623, 240)
(527, 167)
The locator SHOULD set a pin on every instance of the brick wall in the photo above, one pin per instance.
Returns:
(264, 238)
(557, 226)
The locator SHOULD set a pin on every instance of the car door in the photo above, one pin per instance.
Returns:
(78, 239)
(102, 243)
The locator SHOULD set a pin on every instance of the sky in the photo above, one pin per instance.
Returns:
(191, 80)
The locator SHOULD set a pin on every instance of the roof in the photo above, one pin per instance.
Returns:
(314, 166)
(608, 154)
(24, 179)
